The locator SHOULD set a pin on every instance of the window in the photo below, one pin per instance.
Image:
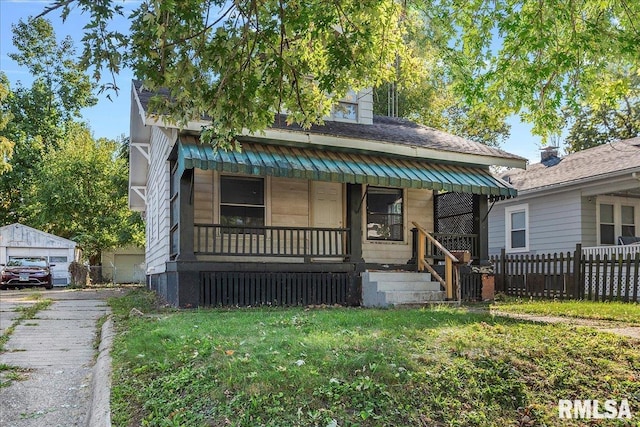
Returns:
(517, 228)
(384, 214)
(607, 225)
(55, 259)
(628, 221)
(242, 201)
(616, 216)
(346, 111)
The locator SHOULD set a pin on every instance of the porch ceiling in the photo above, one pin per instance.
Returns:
(334, 166)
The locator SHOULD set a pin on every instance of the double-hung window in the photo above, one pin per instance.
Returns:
(385, 214)
(607, 224)
(616, 217)
(242, 201)
(517, 228)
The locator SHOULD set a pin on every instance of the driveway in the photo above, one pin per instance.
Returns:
(46, 365)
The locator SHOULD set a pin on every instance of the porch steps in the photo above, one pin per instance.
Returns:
(391, 288)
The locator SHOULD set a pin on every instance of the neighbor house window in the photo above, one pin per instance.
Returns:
(384, 214)
(628, 220)
(616, 217)
(242, 201)
(517, 228)
(607, 225)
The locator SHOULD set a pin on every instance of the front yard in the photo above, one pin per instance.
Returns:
(348, 367)
(610, 310)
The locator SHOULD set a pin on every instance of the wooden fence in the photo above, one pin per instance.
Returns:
(569, 275)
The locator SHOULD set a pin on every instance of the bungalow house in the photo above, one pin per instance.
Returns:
(302, 216)
(590, 197)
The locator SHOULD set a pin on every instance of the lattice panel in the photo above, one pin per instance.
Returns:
(454, 213)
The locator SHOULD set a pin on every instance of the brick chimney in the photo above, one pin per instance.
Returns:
(548, 153)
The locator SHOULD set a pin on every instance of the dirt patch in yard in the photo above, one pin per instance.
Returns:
(618, 328)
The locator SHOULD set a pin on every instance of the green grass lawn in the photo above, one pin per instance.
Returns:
(357, 367)
(619, 311)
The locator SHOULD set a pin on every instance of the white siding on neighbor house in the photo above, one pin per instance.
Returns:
(589, 225)
(418, 206)
(157, 248)
(555, 223)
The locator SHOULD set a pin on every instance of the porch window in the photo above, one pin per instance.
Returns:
(385, 214)
(607, 225)
(517, 228)
(628, 221)
(242, 201)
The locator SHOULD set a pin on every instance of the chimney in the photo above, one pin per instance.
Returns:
(548, 153)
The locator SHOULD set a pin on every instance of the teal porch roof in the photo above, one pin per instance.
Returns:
(347, 167)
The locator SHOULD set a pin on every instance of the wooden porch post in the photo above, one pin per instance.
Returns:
(185, 219)
(355, 204)
(481, 219)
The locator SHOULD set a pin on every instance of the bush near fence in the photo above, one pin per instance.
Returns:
(569, 275)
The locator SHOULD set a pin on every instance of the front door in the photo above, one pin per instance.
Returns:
(326, 212)
(326, 202)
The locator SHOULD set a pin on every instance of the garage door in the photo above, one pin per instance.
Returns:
(129, 268)
(59, 257)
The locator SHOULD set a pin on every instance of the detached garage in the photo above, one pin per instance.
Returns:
(124, 265)
(17, 240)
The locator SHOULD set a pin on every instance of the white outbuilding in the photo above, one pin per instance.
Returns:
(17, 240)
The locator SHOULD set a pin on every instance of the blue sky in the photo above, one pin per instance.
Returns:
(111, 118)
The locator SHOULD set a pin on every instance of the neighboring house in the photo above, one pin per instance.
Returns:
(300, 214)
(17, 240)
(123, 265)
(590, 197)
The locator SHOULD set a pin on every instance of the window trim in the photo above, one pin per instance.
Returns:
(217, 199)
(508, 211)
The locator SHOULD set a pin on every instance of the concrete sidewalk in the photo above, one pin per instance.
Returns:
(54, 354)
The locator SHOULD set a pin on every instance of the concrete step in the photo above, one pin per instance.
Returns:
(408, 286)
(411, 297)
(396, 276)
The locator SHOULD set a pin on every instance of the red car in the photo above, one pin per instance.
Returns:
(26, 271)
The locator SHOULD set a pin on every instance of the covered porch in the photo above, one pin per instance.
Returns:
(272, 251)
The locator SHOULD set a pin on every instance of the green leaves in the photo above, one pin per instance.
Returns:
(82, 194)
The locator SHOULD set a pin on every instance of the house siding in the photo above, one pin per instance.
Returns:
(157, 247)
(588, 217)
(289, 202)
(419, 208)
(555, 223)
(203, 197)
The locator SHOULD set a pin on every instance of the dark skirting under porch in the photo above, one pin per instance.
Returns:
(243, 284)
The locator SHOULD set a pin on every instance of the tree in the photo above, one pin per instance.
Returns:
(239, 62)
(39, 114)
(6, 145)
(605, 123)
(81, 194)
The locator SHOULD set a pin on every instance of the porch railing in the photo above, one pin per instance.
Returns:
(453, 242)
(271, 241)
(450, 280)
(611, 251)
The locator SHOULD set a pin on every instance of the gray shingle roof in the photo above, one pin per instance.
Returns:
(385, 129)
(399, 131)
(619, 157)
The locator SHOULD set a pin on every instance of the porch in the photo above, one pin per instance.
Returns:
(287, 244)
